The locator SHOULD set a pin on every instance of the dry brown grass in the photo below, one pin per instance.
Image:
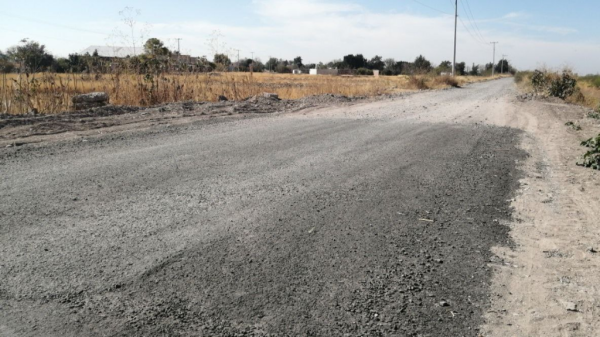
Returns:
(590, 93)
(52, 93)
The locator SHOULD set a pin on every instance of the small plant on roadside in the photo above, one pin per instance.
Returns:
(594, 114)
(591, 158)
(573, 126)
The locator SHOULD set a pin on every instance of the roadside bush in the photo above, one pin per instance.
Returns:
(446, 80)
(521, 76)
(417, 83)
(595, 114)
(539, 81)
(563, 86)
(364, 71)
(591, 158)
(573, 126)
(556, 85)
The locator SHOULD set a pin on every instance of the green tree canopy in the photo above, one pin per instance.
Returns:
(422, 64)
(355, 62)
(31, 55)
(156, 47)
(377, 63)
(298, 61)
(222, 59)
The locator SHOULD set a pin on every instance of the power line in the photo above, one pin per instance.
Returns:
(472, 19)
(469, 31)
(35, 35)
(432, 8)
(52, 24)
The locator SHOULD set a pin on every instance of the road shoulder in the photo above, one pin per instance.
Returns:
(548, 284)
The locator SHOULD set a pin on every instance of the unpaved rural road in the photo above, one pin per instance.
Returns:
(376, 219)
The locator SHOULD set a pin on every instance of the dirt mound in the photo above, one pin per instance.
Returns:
(14, 127)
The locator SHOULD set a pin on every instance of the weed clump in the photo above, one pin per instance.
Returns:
(573, 126)
(446, 80)
(417, 83)
(591, 158)
(553, 84)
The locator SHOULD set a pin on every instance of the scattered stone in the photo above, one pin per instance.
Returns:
(592, 250)
(91, 100)
(570, 306)
(222, 98)
(271, 96)
(444, 304)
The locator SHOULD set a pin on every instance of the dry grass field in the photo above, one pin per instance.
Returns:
(49, 93)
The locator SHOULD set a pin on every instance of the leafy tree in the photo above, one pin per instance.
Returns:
(474, 70)
(271, 64)
(298, 61)
(355, 62)
(31, 55)
(503, 66)
(392, 67)
(335, 64)
(61, 65)
(5, 65)
(376, 63)
(422, 65)
(156, 47)
(460, 68)
(222, 59)
(444, 67)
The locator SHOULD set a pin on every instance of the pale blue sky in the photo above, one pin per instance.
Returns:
(532, 33)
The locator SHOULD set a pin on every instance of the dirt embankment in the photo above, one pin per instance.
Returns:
(16, 130)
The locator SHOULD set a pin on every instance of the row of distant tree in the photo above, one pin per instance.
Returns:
(31, 56)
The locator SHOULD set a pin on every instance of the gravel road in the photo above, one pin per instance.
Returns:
(370, 220)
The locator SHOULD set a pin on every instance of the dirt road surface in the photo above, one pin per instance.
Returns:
(403, 217)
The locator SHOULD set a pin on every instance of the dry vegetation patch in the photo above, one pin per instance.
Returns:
(52, 93)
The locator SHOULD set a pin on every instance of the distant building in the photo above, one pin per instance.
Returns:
(297, 71)
(324, 71)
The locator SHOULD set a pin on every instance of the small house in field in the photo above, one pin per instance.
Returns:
(297, 71)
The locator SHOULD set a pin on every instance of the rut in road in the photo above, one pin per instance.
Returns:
(271, 226)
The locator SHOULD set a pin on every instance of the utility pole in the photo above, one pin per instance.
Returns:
(238, 59)
(252, 56)
(178, 46)
(502, 65)
(494, 59)
(455, 27)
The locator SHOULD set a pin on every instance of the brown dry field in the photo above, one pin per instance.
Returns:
(50, 93)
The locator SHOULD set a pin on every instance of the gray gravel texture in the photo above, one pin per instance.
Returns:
(277, 225)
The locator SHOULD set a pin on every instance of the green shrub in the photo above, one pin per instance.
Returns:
(539, 81)
(364, 71)
(563, 86)
(594, 115)
(573, 126)
(555, 85)
(592, 157)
